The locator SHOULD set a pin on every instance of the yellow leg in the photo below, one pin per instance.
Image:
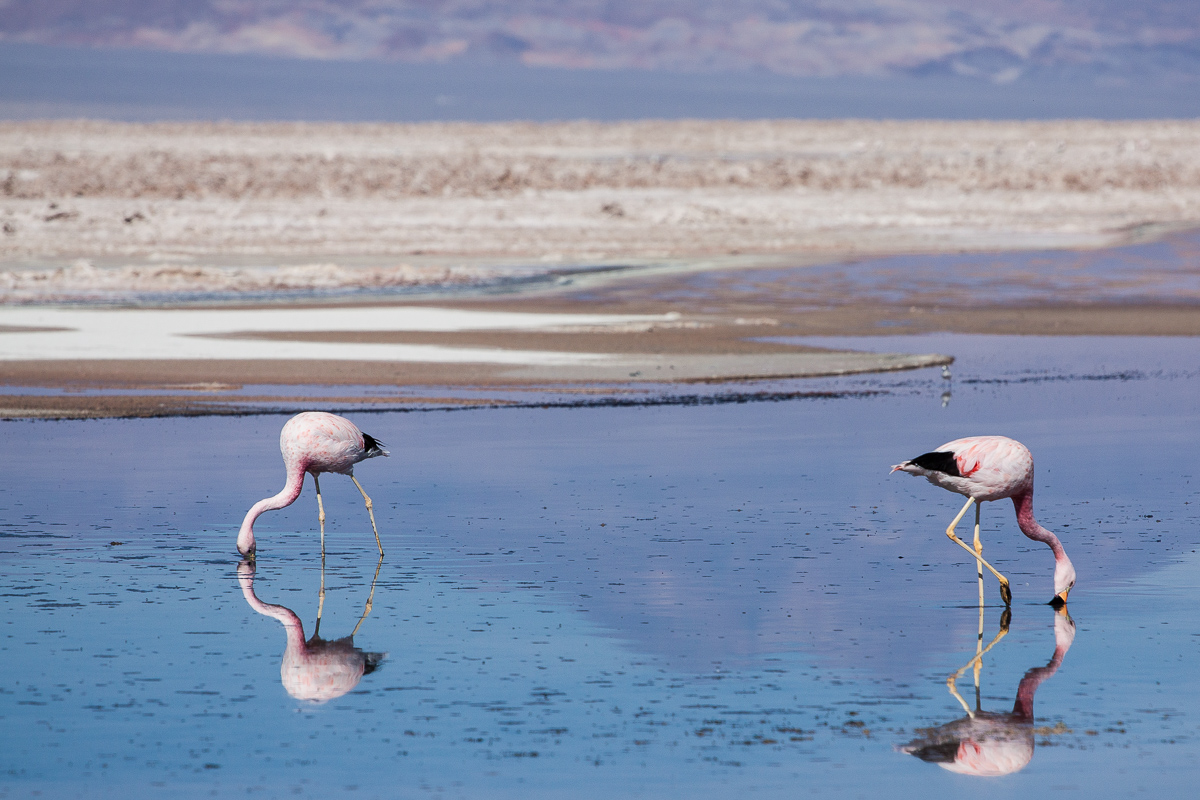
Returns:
(321, 519)
(979, 566)
(370, 510)
(320, 513)
(954, 524)
(1005, 591)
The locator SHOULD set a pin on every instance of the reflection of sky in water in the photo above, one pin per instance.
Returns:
(981, 358)
(676, 601)
(1163, 271)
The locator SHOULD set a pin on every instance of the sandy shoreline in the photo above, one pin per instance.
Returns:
(153, 362)
(715, 355)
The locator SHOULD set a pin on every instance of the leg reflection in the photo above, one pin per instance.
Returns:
(370, 598)
(977, 661)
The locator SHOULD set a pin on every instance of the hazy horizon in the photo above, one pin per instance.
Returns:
(43, 81)
(1001, 43)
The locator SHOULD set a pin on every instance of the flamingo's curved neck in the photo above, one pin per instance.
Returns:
(1030, 527)
(287, 496)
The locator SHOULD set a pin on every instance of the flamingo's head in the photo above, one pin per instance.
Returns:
(1064, 580)
(245, 540)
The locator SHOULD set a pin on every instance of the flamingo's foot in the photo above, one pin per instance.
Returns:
(1005, 593)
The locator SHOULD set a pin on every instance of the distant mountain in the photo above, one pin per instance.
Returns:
(1000, 41)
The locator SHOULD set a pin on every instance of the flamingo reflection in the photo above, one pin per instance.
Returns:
(317, 669)
(989, 743)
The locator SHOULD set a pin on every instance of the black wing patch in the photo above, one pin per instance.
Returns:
(939, 462)
(374, 446)
(944, 753)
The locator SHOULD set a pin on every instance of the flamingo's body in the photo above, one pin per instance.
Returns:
(314, 442)
(991, 468)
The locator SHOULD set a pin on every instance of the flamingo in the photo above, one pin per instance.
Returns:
(990, 468)
(315, 442)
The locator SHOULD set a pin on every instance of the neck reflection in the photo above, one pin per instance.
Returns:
(990, 743)
(315, 669)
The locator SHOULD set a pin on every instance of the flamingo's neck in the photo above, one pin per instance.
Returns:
(287, 496)
(1030, 527)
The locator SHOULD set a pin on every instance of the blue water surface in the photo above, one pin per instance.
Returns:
(706, 601)
(1165, 271)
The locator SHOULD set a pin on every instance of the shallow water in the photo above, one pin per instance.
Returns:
(628, 601)
(1163, 271)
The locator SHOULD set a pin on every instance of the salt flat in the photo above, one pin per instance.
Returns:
(174, 197)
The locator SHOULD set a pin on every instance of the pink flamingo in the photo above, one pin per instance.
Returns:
(315, 442)
(990, 468)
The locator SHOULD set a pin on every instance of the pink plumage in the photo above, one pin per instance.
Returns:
(313, 442)
(991, 468)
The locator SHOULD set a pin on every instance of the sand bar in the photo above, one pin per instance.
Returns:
(203, 334)
(207, 352)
